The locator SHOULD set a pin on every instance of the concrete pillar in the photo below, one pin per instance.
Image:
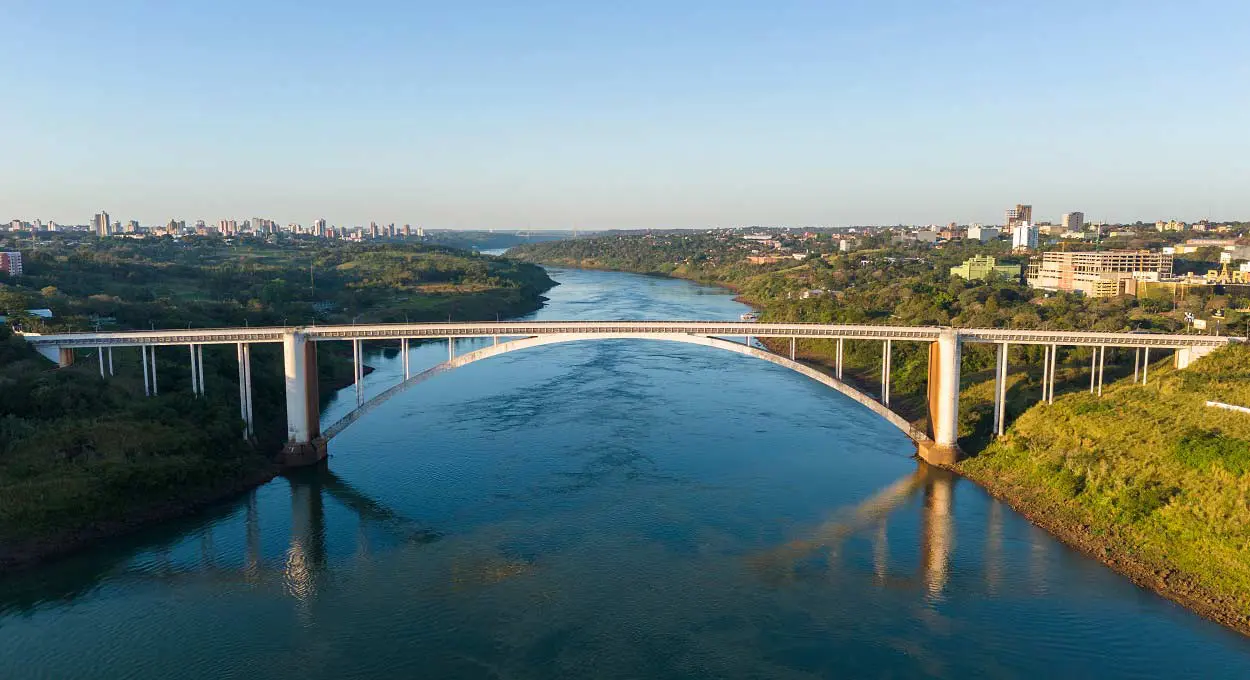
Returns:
(1045, 371)
(357, 372)
(403, 350)
(839, 360)
(152, 355)
(147, 389)
(243, 395)
(944, 359)
(887, 355)
(65, 357)
(451, 349)
(303, 427)
(793, 342)
(1136, 363)
(1145, 365)
(195, 375)
(496, 340)
(199, 363)
(1093, 370)
(247, 378)
(110, 361)
(1102, 366)
(100, 351)
(1054, 357)
(1000, 389)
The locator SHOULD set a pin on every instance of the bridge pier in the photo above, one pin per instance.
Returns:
(1187, 355)
(245, 389)
(944, 359)
(304, 445)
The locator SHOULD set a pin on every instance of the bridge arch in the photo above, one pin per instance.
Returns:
(707, 341)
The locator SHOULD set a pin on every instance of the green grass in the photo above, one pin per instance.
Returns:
(1150, 467)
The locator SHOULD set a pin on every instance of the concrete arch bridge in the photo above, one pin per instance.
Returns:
(307, 439)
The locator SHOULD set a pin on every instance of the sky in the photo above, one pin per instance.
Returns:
(598, 115)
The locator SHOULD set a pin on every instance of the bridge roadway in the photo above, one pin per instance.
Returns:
(306, 440)
(399, 331)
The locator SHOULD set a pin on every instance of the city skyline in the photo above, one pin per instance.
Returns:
(568, 116)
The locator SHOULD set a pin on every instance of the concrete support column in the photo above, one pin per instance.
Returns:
(1102, 366)
(303, 427)
(247, 380)
(944, 360)
(147, 384)
(1093, 370)
(195, 375)
(152, 355)
(1145, 365)
(1054, 357)
(243, 392)
(199, 364)
(839, 360)
(496, 340)
(403, 351)
(1045, 371)
(1000, 389)
(357, 372)
(100, 351)
(793, 342)
(110, 361)
(886, 352)
(451, 349)
(1136, 363)
(65, 357)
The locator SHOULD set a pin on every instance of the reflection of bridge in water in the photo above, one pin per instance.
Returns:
(821, 545)
(297, 571)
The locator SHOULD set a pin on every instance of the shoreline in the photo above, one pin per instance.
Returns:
(1161, 580)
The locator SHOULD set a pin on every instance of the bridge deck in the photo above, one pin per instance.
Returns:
(617, 328)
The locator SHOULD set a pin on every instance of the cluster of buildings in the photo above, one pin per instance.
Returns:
(104, 226)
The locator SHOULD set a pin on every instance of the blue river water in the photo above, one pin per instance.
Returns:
(603, 509)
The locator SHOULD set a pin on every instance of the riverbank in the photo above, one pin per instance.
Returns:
(1159, 530)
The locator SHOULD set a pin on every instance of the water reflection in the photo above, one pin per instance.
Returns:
(935, 486)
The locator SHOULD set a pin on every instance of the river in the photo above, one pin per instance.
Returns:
(603, 509)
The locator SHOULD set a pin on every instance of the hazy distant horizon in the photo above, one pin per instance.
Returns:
(649, 115)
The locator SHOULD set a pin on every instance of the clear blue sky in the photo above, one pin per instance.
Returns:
(636, 114)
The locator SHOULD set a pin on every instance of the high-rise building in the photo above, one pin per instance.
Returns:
(1024, 237)
(319, 226)
(407, 231)
(100, 224)
(132, 227)
(1074, 221)
(11, 263)
(373, 230)
(1021, 214)
(1098, 274)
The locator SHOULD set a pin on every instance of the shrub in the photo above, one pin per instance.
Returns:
(1199, 448)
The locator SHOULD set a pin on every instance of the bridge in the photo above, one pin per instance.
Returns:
(307, 440)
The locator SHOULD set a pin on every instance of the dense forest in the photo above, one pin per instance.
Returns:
(81, 455)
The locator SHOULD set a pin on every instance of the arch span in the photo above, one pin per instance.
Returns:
(707, 341)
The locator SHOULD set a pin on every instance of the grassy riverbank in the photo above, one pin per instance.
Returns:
(84, 457)
(1147, 479)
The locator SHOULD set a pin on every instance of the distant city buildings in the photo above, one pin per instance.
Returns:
(983, 234)
(1024, 237)
(1021, 214)
(11, 263)
(1073, 221)
(100, 224)
(982, 266)
(1098, 274)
